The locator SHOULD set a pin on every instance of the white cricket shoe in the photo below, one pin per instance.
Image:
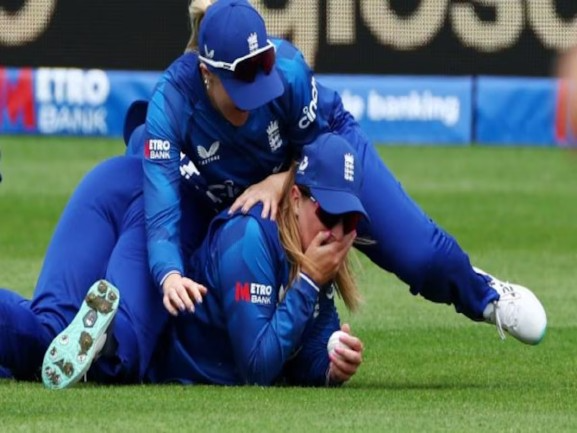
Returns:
(518, 311)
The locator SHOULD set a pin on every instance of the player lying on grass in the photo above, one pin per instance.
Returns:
(268, 313)
(240, 105)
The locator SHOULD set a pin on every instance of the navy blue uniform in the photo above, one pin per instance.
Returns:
(253, 327)
(227, 159)
(101, 235)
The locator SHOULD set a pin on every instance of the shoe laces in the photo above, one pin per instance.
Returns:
(505, 311)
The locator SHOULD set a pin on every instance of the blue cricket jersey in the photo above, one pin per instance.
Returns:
(252, 327)
(229, 159)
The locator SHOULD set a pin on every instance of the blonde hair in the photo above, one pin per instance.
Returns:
(196, 11)
(290, 238)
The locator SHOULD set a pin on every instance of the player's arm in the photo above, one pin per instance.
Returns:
(161, 180)
(310, 365)
(308, 106)
(264, 332)
(268, 192)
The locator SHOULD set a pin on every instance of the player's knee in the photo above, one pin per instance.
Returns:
(440, 267)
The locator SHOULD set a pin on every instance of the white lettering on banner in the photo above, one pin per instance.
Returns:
(420, 106)
(408, 32)
(70, 101)
(72, 86)
(73, 120)
(27, 23)
(354, 104)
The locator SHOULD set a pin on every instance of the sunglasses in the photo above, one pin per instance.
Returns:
(350, 220)
(246, 67)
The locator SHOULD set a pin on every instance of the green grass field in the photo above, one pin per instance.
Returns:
(426, 369)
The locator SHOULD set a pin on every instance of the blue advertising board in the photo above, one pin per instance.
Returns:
(68, 101)
(401, 109)
(390, 109)
(519, 111)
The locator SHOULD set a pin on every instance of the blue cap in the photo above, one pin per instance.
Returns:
(135, 116)
(232, 29)
(332, 171)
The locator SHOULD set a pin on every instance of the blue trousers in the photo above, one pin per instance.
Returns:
(100, 234)
(409, 243)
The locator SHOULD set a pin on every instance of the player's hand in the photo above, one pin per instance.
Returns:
(268, 192)
(327, 254)
(181, 293)
(345, 360)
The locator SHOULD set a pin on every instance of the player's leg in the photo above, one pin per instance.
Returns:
(23, 339)
(82, 243)
(411, 245)
(84, 238)
(141, 316)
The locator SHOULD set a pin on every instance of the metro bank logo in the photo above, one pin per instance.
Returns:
(54, 101)
(157, 149)
(254, 293)
(17, 108)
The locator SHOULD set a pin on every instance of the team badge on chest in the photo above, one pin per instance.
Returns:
(274, 138)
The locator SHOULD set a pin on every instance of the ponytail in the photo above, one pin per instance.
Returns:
(196, 11)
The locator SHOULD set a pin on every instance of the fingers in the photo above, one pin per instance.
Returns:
(346, 358)
(273, 210)
(238, 203)
(250, 198)
(344, 363)
(345, 327)
(181, 294)
(168, 305)
(327, 254)
(320, 238)
(268, 192)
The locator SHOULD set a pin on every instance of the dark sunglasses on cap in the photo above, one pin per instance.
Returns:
(350, 219)
(246, 67)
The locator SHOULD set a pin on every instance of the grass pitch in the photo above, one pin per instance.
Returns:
(427, 369)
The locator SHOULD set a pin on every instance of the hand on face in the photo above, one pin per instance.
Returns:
(327, 253)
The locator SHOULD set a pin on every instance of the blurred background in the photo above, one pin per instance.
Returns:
(411, 71)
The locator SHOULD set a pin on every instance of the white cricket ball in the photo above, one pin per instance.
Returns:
(334, 341)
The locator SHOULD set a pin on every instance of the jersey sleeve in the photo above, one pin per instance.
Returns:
(309, 367)
(161, 180)
(264, 331)
(312, 108)
(308, 105)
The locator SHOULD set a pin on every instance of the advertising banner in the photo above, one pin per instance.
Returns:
(68, 101)
(429, 110)
(390, 109)
(518, 111)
